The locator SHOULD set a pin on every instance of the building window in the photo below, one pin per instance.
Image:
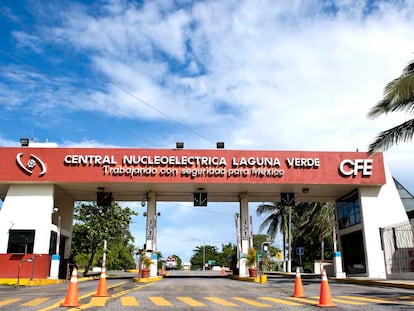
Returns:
(349, 212)
(21, 241)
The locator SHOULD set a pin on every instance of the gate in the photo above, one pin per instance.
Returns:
(398, 247)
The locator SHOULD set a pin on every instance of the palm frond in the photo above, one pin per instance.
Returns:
(319, 220)
(267, 208)
(401, 133)
(409, 68)
(276, 220)
(398, 96)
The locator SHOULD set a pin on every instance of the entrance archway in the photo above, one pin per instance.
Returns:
(33, 181)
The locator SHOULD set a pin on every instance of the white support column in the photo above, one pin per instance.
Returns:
(244, 233)
(151, 232)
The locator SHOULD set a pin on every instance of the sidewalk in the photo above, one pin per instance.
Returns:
(408, 284)
(81, 278)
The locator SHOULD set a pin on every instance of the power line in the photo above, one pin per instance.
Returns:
(68, 100)
(74, 59)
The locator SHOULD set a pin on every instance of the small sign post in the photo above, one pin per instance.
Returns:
(300, 251)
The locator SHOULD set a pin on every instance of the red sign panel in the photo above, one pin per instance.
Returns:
(189, 166)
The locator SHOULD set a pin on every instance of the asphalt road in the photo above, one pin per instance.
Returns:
(205, 291)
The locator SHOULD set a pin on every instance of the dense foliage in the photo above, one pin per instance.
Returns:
(206, 253)
(311, 229)
(93, 225)
(227, 257)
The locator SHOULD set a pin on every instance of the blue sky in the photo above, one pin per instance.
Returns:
(273, 75)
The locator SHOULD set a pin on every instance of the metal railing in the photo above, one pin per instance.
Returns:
(398, 247)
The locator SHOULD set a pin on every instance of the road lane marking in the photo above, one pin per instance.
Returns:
(358, 298)
(8, 301)
(191, 302)
(305, 300)
(97, 302)
(94, 302)
(129, 301)
(221, 302)
(58, 303)
(407, 299)
(251, 302)
(282, 301)
(160, 301)
(127, 291)
(348, 302)
(34, 302)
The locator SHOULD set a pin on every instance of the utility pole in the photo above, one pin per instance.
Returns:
(289, 267)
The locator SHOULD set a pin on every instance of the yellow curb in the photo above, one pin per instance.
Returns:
(386, 283)
(40, 282)
(148, 280)
(29, 282)
(246, 279)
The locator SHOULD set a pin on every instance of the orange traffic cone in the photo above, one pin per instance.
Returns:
(325, 299)
(222, 271)
(102, 290)
(298, 290)
(71, 299)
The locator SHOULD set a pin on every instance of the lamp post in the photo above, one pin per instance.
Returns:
(289, 267)
(204, 257)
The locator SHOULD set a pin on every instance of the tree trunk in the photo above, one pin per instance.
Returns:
(284, 249)
(88, 266)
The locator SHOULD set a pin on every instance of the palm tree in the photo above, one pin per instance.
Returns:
(398, 96)
(318, 220)
(276, 221)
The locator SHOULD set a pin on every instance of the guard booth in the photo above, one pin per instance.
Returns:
(39, 187)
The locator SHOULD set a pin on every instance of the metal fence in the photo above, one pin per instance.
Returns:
(398, 247)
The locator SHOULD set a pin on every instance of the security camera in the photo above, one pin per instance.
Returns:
(143, 203)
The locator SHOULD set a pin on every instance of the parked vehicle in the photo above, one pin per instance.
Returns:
(171, 263)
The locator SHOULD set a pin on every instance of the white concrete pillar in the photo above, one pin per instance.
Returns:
(244, 234)
(151, 232)
(339, 274)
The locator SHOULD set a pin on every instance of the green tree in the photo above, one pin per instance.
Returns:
(398, 97)
(258, 239)
(228, 251)
(179, 262)
(311, 227)
(318, 220)
(313, 230)
(93, 225)
(277, 219)
(202, 254)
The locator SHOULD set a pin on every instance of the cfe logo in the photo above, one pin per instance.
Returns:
(31, 164)
(353, 167)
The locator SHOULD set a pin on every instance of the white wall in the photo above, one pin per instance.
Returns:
(380, 207)
(65, 204)
(28, 207)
